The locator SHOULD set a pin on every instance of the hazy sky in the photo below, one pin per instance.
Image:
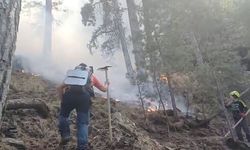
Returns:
(69, 42)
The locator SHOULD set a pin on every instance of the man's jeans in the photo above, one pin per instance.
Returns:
(243, 125)
(80, 102)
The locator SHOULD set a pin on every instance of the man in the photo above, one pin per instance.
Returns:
(75, 93)
(239, 109)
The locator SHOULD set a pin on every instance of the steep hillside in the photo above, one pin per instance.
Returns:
(28, 129)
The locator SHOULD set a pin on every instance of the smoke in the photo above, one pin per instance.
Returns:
(69, 40)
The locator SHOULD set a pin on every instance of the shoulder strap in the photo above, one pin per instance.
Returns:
(242, 102)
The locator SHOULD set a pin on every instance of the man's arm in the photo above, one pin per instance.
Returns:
(228, 103)
(96, 83)
(243, 106)
(60, 90)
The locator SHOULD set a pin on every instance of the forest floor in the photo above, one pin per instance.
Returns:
(27, 129)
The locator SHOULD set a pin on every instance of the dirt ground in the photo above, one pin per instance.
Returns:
(130, 129)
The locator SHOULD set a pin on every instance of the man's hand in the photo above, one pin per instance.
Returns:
(60, 91)
(107, 83)
(227, 102)
(242, 115)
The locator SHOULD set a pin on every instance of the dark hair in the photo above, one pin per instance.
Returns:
(82, 66)
(234, 96)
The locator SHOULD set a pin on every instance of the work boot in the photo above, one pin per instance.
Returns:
(248, 138)
(65, 140)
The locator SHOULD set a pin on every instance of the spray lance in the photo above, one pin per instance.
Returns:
(105, 68)
(237, 123)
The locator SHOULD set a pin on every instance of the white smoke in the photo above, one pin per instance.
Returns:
(69, 40)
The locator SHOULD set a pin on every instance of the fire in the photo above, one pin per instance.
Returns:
(152, 109)
(151, 105)
(163, 78)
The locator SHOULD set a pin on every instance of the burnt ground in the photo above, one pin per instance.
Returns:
(131, 131)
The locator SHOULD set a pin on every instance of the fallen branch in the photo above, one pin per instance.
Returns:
(14, 142)
(36, 104)
(200, 123)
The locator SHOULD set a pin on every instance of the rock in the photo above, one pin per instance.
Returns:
(10, 132)
(142, 141)
(14, 142)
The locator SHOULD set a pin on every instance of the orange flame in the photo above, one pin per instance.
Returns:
(152, 109)
(163, 78)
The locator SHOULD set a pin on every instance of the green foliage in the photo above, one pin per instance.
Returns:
(88, 15)
(106, 34)
(242, 16)
(170, 46)
(223, 66)
(176, 34)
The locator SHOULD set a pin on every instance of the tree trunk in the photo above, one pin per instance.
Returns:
(118, 24)
(159, 92)
(151, 45)
(197, 50)
(136, 34)
(48, 28)
(203, 109)
(9, 20)
(221, 101)
(147, 24)
(141, 99)
(171, 91)
(187, 95)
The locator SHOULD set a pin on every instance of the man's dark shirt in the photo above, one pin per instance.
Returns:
(237, 107)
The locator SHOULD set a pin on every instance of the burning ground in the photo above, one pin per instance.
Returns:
(36, 128)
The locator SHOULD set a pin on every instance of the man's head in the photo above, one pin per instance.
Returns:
(235, 94)
(81, 66)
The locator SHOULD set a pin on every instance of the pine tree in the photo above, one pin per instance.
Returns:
(111, 30)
